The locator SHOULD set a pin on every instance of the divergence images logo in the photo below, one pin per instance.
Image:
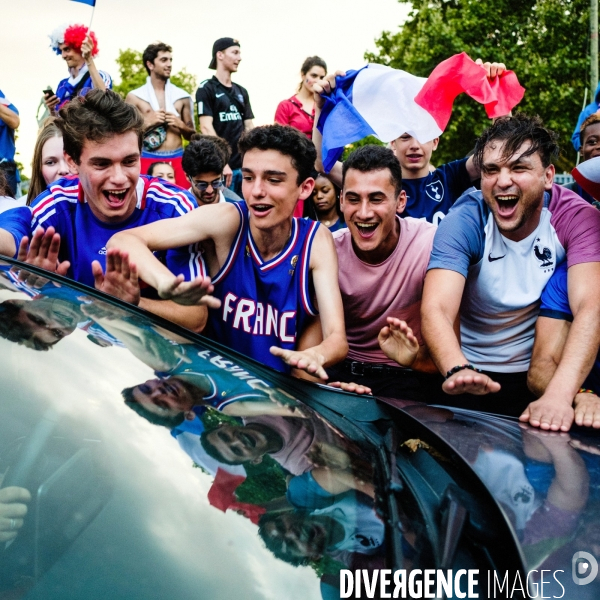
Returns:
(585, 568)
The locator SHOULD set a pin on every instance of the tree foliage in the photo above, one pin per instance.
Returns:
(133, 74)
(544, 41)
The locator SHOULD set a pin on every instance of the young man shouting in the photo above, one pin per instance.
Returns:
(102, 139)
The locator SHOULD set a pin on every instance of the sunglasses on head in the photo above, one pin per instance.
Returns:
(202, 186)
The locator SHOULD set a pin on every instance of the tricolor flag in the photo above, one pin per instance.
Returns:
(88, 2)
(386, 102)
(587, 175)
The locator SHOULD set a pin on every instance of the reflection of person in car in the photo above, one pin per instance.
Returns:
(187, 380)
(39, 323)
(294, 443)
(339, 530)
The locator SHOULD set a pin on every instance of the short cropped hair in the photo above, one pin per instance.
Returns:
(513, 132)
(591, 120)
(97, 116)
(203, 155)
(374, 158)
(275, 545)
(164, 421)
(284, 139)
(13, 330)
(151, 52)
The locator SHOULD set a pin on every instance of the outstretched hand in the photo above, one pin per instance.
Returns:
(398, 342)
(470, 382)
(189, 293)
(587, 410)
(304, 360)
(120, 279)
(549, 414)
(42, 253)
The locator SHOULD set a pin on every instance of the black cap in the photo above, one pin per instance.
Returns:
(220, 45)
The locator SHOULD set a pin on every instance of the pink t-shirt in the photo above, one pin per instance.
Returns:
(393, 288)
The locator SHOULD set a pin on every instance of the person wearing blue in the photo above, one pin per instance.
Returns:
(430, 191)
(77, 46)
(269, 270)
(102, 139)
(589, 136)
(551, 332)
(9, 122)
(589, 110)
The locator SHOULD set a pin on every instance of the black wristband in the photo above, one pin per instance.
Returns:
(458, 368)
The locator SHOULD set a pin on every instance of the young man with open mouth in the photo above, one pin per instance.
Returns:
(492, 256)
(102, 140)
(267, 271)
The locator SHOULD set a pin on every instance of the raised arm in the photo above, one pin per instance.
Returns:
(442, 295)
(554, 409)
(334, 347)
(319, 87)
(86, 52)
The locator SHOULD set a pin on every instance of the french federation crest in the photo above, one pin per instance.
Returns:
(544, 255)
(435, 191)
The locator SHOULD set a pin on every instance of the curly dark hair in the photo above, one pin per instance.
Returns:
(374, 158)
(591, 120)
(203, 155)
(97, 116)
(284, 139)
(513, 132)
(151, 52)
(275, 545)
(4, 187)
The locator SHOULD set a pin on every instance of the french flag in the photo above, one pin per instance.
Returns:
(385, 102)
(587, 175)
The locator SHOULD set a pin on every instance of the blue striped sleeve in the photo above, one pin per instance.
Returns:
(555, 297)
(460, 237)
(17, 221)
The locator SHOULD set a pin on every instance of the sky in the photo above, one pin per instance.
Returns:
(275, 39)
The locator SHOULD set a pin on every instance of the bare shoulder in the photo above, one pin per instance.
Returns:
(323, 251)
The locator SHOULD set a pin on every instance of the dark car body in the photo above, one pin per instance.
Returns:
(127, 504)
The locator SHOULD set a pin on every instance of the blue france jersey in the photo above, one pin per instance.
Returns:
(84, 237)
(264, 304)
(555, 305)
(431, 197)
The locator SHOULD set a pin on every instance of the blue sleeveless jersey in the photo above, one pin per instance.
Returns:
(264, 304)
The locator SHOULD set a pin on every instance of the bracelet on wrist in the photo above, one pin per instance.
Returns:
(458, 368)
(585, 391)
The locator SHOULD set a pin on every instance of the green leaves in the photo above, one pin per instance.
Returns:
(545, 42)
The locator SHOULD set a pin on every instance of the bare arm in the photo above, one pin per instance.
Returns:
(248, 124)
(334, 347)
(554, 409)
(550, 337)
(10, 117)
(442, 295)
(191, 317)
(206, 125)
(7, 244)
(184, 126)
(336, 172)
(217, 222)
(86, 52)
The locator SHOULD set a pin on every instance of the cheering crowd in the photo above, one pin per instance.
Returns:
(474, 284)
